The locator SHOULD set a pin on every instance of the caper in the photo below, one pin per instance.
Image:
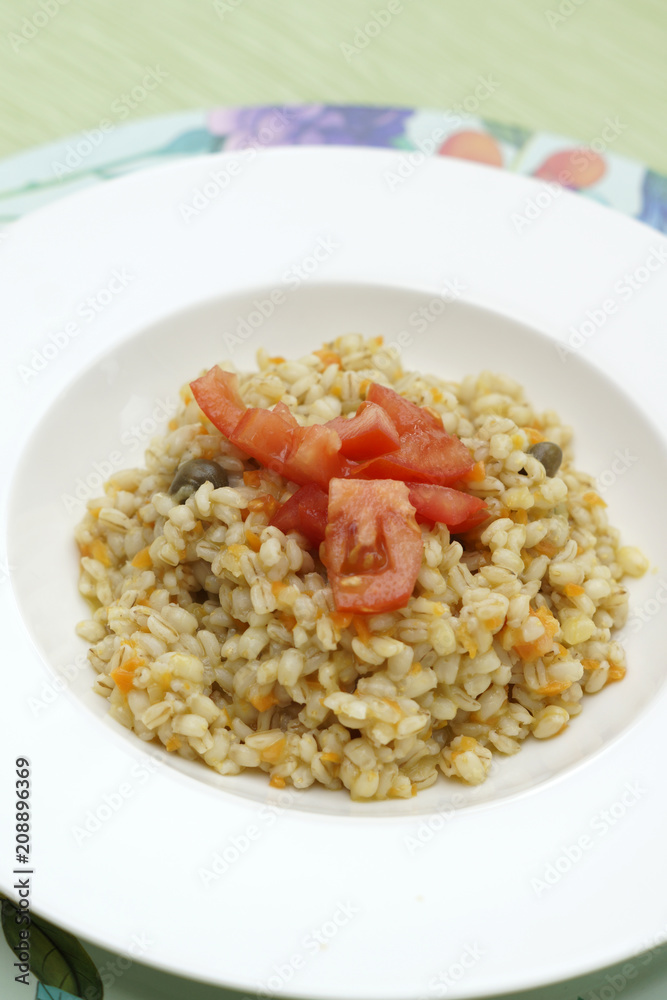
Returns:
(549, 454)
(193, 474)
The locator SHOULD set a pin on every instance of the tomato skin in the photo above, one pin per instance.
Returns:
(427, 453)
(369, 433)
(459, 511)
(373, 549)
(315, 456)
(305, 511)
(264, 436)
(217, 393)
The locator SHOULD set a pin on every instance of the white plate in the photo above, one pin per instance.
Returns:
(544, 872)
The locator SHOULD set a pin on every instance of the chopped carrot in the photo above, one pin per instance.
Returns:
(467, 743)
(336, 390)
(365, 386)
(361, 626)
(84, 550)
(142, 560)
(100, 551)
(476, 474)
(534, 436)
(273, 752)
(95, 511)
(378, 341)
(173, 424)
(263, 504)
(546, 548)
(592, 499)
(616, 672)
(553, 689)
(340, 619)
(590, 664)
(253, 540)
(251, 477)
(436, 396)
(289, 621)
(277, 586)
(573, 590)
(277, 782)
(173, 744)
(123, 675)
(415, 669)
(520, 516)
(529, 651)
(263, 701)
(328, 357)
(331, 757)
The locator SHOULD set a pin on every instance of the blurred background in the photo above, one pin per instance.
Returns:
(561, 66)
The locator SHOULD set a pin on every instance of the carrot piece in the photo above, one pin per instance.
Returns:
(331, 757)
(341, 619)
(521, 517)
(273, 752)
(277, 782)
(573, 590)
(123, 675)
(534, 436)
(476, 474)
(590, 664)
(592, 499)
(546, 548)
(263, 701)
(253, 540)
(529, 651)
(251, 477)
(616, 673)
(142, 560)
(328, 357)
(361, 625)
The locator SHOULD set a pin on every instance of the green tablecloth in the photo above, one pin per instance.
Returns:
(562, 66)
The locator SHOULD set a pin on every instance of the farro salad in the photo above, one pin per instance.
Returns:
(333, 570)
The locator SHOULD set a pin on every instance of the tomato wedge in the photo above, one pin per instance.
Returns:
(459, 511)
(373, 548)
(305, 511)
(217, 393)
(427, 453)
(370, 432)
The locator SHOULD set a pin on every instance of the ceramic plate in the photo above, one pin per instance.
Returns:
(111, 300)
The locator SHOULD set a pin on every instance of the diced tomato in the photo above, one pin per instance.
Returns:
(305, 511)
(427, 452)
(315, 456)
(373, 548)
(265, 436)
(370, 432)
(217, 393)
(459, 511)
(286, 414)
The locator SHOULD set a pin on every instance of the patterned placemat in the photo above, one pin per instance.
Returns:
(113, 148)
